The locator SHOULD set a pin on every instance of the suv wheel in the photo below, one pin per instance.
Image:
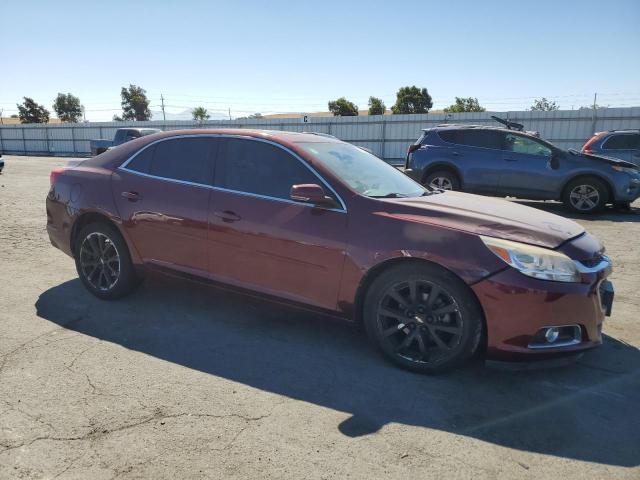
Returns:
(422, 318)
(585, 195)
(442, 180)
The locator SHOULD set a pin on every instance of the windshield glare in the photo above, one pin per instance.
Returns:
(362, 171)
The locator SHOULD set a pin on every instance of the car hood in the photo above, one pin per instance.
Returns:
(488, 216)
(603, 158)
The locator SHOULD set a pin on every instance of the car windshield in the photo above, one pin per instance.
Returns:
(364, 172)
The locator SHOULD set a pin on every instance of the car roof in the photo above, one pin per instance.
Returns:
(280, 136)
(626, 130)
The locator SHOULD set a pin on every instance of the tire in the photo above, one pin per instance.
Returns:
(440, 341)
(585, 195)
(95, 249)
(443, 180)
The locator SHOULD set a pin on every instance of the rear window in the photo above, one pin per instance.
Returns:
(626, 141)
(473, 138)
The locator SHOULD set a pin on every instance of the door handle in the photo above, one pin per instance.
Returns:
(227, 216)
(456, 154)
(131, 196)
(510, 160)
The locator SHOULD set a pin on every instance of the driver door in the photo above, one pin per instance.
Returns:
(528, 170)
(261, 239)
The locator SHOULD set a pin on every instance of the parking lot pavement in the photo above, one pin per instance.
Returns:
(185, 381)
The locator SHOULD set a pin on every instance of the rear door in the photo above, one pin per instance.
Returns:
(528, 170)
(261, 239)
(162, 195)
(625, 146)
(477, 154)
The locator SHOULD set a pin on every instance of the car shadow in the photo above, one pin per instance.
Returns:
(586, 411)
(609, 213)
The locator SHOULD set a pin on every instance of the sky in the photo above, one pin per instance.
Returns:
(294, 56)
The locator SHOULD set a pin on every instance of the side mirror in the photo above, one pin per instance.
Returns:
(311, 193)
(554, 161)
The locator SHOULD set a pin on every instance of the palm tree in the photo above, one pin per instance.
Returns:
(200, 114)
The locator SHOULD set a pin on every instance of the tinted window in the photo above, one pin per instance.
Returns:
(142, 162)
(184, 159)
(473, 138)
(519, 144)
(260, 168)
(622, 142)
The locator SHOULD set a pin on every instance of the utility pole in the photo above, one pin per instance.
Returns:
(84, 116)
(1, 110)
(593, 113)
(162, 102)
(229, 113)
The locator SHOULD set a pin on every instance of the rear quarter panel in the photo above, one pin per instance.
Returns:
(79, 191)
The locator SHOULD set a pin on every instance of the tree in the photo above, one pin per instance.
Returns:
(343, 108)
(200, 114)
(412, 100)
(135, 104)
(31, 112)
(469, 104)
(116, 118)
(255, 115)
(67, 107)
(376, 106)
(543, 105)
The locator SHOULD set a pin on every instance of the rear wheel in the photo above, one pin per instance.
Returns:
(423, 318)
(585, 195)
(442, 180)
(103, 262)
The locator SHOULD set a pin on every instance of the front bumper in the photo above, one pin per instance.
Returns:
(628, 192)
(516, 307)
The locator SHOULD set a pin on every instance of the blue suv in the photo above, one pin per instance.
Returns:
(507, 162)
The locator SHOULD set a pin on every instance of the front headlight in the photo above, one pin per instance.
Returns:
(533, 261)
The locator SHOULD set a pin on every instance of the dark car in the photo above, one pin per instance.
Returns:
(622, 144)
(121, 136)
(434, 276)
(504, 162)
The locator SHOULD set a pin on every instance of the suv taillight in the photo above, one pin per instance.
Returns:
(413, 148)
(587, 146)
(55, 173)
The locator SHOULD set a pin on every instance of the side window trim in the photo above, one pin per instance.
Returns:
(212, 186)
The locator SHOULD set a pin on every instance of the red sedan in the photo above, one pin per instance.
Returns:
(434, 276)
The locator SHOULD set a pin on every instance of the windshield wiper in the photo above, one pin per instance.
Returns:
(389, 195)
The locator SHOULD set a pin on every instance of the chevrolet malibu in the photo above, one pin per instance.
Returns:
(435, 276)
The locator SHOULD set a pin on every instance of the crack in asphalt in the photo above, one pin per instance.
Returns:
(97, 433)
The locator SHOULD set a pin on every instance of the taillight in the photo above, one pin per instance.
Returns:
(587, 146)
(55, 173)
(413, 148)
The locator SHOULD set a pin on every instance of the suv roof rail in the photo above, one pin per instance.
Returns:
(510, 125)
(320, 134)
(622, 130)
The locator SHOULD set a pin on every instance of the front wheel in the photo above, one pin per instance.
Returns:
(103, 262)
(423, 318)
(585, 195)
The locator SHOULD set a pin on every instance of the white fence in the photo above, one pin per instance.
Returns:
(388, 136)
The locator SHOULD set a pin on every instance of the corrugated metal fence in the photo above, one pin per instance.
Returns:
(388, 136)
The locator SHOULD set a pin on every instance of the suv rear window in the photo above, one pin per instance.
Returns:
(474, 138)
(622, 141)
